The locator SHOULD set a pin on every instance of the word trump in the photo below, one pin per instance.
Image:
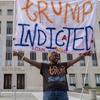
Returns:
(78, 12)
(66, 37)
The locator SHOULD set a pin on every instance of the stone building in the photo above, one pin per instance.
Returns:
(14, 73)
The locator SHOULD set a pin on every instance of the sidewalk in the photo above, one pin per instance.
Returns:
(37, 96)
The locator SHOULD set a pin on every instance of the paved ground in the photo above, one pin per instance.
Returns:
(36, 96)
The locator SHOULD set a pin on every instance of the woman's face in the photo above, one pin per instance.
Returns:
(54, 57)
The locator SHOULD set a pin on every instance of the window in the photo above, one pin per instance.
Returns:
(9, 51)
(82, 61)
(97, 77)
(72, 80)
(9, 27)
(0, 12)
(8, 55)
(20, 62)
(0, 27)
(94, 60)
(9, 41)
(69, 57)
(85, 80)
(8, 58)
(10, 12)
(33, 55)
(45, 56)
(20, 81)
(7, 81)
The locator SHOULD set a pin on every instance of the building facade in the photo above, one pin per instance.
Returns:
(17, 74)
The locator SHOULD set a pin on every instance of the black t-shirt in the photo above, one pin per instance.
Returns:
(54, 76)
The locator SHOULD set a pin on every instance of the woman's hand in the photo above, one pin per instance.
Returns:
(89, 53)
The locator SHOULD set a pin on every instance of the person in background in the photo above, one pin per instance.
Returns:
(55, 85)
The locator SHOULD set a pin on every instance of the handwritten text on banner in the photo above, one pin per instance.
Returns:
(43, 25)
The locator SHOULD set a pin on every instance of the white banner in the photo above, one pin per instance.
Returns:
(43, 25)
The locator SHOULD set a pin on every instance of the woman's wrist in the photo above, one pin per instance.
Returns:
(22, 58)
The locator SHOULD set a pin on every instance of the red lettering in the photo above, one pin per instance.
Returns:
(42, 10)
(64, 37)
(60, 7)
(56, 70)
(27, 6)
(78, 13)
